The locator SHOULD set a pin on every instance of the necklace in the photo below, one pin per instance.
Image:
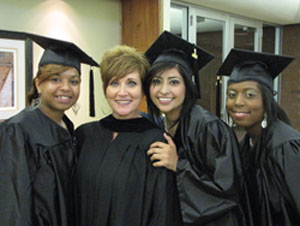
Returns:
(63, 125)
(164, 118)
(251, 142)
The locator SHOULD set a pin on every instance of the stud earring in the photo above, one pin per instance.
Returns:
(264, 121)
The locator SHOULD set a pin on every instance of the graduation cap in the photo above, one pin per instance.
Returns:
(67, 54)
(173, 49)
(242, 65)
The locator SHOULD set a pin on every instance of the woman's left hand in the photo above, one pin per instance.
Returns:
(164, 154)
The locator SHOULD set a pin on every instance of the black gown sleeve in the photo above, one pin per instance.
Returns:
(286, 170)
(161, 206)
(208, 177)
(15, 186)
(164, 206)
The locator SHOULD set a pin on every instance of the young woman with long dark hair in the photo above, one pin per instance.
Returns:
(270, 150)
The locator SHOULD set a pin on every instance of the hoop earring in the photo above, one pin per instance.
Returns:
(264, 122)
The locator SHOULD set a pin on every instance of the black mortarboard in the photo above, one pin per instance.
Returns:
(171, 48)
(67, 54)
(242, 65)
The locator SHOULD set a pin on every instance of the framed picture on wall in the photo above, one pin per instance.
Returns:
(15, 72)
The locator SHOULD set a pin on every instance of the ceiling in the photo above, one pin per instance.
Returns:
(281, 12)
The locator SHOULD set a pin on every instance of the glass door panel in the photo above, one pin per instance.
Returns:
(269, 38)
(178, 20)
(210, 36)
(271, 44)
(246, 34)
(244, 37)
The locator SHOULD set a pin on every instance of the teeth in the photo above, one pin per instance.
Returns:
(240, 114)
(64, 97)
(123, 101)
(165, 99)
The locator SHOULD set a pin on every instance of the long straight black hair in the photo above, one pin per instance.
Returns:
(272, 108)
(190, 89)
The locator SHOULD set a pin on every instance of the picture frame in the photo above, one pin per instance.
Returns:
(16, 70)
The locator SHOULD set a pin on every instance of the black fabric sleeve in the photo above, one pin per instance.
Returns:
(208, 177)
(15, 186)
(286, 171)
(165, 209)
(164, 205)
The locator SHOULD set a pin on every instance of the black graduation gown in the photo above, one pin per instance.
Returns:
(36, 161)
(272, 172)
(209, 173)
(115, 182)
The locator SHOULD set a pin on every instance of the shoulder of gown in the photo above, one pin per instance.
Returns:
(38, 127)
(203, 127)
(200, 115)
(280, 133)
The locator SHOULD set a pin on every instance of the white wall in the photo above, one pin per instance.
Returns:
(93, 25)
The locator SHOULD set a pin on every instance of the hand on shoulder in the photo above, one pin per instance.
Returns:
(164, 154)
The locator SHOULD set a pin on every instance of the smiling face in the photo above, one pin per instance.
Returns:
(124, 95)
(244, 103)
(59, 91)
(167, 91)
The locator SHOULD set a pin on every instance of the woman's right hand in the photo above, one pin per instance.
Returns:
(164, 154)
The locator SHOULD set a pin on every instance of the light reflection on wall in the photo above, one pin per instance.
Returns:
(58, 20)
(58, 25)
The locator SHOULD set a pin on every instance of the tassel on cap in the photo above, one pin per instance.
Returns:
(92, 95)
(170, 48)
(195, 72)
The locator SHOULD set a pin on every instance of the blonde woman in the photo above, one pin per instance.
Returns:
(116, 183)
